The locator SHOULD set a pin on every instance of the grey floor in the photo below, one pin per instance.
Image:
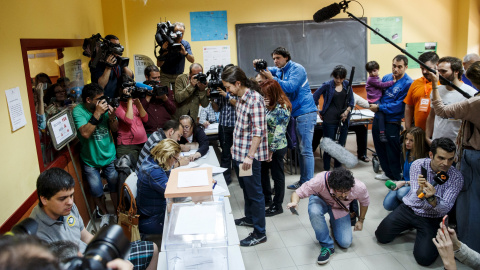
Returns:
(291, 240)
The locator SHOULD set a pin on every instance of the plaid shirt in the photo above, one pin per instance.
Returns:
(251, 122)
(446, 194)
(207, 114)
(227, 111)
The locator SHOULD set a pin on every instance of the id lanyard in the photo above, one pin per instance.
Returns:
(425, 101)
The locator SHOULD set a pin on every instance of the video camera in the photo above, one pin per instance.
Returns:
(98, 49)
(158, 90)
(166, 33)
(261, 65)
(215, 82)
(136, 90)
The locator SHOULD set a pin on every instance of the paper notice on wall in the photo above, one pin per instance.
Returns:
(215, 55)
(62, 129)
(15, 108)
(140, 63)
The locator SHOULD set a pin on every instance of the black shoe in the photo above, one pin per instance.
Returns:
(324, 256)
(273, 210)
(383, 138)
(243, 222)
(268, 203)
(364, 159)
(253, 239)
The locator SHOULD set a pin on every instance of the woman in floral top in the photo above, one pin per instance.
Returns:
(278, 114)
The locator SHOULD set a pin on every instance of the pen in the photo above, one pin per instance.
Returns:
(214, 185)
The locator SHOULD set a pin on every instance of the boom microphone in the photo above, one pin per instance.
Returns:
(143, 86)
(330, 11)
(338, 152)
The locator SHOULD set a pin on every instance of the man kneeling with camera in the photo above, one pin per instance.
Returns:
(59, 219)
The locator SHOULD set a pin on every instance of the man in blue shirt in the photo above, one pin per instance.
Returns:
(468, 60)
(391, 104)
(172, 63)
(292, 77)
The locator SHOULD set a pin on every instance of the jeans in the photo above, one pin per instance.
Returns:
(253, 196)
(92, 175)
(394, 198)
(330, 131)
(468, 207)
(403, 218)
(304, 132)
(388, 152)
(151, 225)
(361, 134)
(342, 229)
(225, 135)
(278, 175)
(381, 117)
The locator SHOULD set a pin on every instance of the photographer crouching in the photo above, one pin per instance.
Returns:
(107, 72)
(159, 105)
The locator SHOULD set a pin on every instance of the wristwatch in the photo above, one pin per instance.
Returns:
(186, 54)
(431, 199)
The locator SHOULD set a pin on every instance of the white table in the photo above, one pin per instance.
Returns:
(211, 159)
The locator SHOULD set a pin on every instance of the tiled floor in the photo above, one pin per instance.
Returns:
(291, 240)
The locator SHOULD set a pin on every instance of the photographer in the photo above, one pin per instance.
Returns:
(59, 219)
(189, 93)
(159, 108)
(95, 120)
(108, 75)
(172, 63)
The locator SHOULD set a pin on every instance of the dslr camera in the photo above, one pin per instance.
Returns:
(215, 82)
(166, 33)
(202, 78)
(260, 65)
(114, 102)
(98, 49)
(158, 90)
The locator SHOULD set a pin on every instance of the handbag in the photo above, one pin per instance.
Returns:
(353, 219)
(128, 219)
(291, 133)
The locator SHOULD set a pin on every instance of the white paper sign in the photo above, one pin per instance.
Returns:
(15, 108)
(199, 219)
(192, 178)
(216, 55)
(140, 63)
(61, 129)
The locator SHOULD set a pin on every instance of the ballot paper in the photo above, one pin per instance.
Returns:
(189, 153)
(192, 178)
(212, 127)
(199, 219)
(218, 190)
(215, 169)
(189, 165)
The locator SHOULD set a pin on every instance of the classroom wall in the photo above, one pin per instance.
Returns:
(31, 19)
(450, 24)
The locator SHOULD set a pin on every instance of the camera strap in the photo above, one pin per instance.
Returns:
(334, 197)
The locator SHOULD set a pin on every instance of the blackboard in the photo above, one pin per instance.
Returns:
(318, 47)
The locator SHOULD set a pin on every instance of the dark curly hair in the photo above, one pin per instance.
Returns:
(341, 179)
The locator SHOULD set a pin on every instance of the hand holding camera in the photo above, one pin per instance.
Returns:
(111, 61)
(101, 107)
(259, 65)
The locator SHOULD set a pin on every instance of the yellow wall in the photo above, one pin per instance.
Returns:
(31, 19)
(447, 18)
(474, 27)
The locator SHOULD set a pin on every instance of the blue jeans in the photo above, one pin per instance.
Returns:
(330, 131)
(92, 175)
(151, 225)
(394, 198)
(304, 131)
(342, 228)
(253, 196)
(388, 152)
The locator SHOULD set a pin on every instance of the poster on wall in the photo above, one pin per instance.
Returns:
(209, 25)
(215, 55)
(15, 108)
(390, 27)
(141, 62)
(416, 49)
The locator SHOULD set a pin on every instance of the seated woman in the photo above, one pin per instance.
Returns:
(414, 147)
(338, 102)
(193, 135)
(152, 181)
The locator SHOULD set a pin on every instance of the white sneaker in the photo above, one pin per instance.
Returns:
(382, 177)
(105, 221)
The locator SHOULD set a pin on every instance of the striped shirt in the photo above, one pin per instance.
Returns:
(446, 194)
(227, 111)
(153, 140)
(251, 122)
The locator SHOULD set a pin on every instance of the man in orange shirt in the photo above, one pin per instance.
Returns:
(417, 102)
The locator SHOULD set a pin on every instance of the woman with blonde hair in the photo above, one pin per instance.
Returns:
(151, 184)
(414, 147)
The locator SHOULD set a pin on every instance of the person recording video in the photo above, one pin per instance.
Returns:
(108, 74)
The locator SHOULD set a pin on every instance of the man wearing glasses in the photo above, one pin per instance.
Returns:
(332, 193)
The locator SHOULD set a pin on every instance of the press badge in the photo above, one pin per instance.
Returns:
(424, 105)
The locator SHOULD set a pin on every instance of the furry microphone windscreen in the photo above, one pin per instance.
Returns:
(338, 152)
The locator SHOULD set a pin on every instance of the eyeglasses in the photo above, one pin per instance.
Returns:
(342, 192)
(176, 159)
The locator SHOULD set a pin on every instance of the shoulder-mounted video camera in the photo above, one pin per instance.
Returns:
(158, 90)
(98, 49)
(135, 90)
(166, 33)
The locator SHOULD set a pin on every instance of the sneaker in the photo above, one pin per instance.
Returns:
(383, 138)
(295, 185)
(253, 239)
(243, 222)
(105, 221)
(325, 254)
(273, 210)
(382, 177)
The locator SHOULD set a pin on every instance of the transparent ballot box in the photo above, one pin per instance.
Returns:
(196, 237)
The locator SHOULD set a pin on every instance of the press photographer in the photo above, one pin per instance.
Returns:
(190, 92)
(106, 64)
(173, 51)
(160, 105)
